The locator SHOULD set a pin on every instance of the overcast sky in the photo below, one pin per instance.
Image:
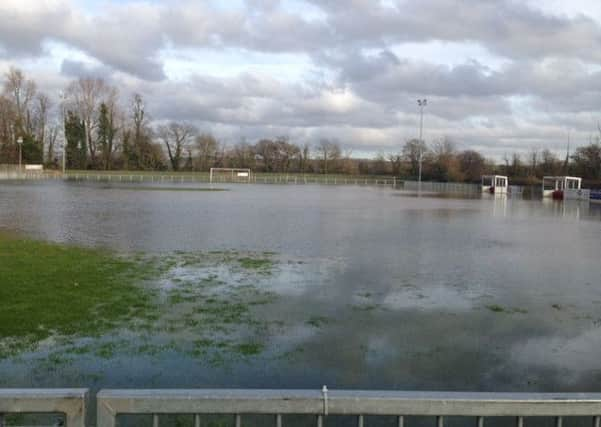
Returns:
(499, 75)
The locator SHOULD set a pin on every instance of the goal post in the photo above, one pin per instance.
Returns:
(230, 175)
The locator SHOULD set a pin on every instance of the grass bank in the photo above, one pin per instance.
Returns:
(47, 289)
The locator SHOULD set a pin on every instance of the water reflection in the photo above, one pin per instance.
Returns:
(374, 290)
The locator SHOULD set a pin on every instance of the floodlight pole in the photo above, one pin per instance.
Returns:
(422, 104)
(63, 97)
(20, 144)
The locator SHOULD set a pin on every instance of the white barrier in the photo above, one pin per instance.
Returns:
(580, 195)
(34, 168)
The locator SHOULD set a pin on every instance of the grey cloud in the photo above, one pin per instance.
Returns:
(129, 36)
(126, 38)
(76, 69)
(506, 27)
(559, 84)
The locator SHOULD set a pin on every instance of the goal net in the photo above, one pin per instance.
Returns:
(229, 175)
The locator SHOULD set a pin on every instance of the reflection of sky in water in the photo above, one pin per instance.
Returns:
(439, 298)
(375, 290)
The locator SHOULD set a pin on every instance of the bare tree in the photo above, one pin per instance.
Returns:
(445, 165)
(133, 143)
(40, 118)
(472, 165)
(412, 151)
(8, 148)
(53, 132)
(533, 158)
(85, 96)
(207, 147)
(304, 158)
(396, 162)
(176, 137)
(329, 153)
(21, 91)
(549, 163)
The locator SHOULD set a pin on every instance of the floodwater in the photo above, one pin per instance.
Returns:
(369, 288)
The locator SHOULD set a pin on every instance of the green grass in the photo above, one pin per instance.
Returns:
(495, 308)
(69, 293)
(255, 263)
(318, 321)
(47, 289)
(249, 349)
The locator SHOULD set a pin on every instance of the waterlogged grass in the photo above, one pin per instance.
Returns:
(318, 321)
(48, 289)
(94, 303)
(249, 349)
(365, 307)
(256, 263)
(495, 308)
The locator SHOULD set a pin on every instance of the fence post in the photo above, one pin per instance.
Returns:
(70, 402)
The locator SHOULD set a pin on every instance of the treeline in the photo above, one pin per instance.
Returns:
(102, 131)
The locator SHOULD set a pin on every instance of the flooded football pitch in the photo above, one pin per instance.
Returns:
(267, 286)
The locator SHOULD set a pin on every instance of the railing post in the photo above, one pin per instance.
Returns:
(70, 402)
(105, 415)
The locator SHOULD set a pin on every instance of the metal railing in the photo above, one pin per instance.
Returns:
(442, 187)
(254, 178)
(360, 404)
(318, 403)
(71, 403)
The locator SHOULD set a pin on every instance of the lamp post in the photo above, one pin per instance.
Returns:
(20, 144)
(64, 157)
(422, 103)
(63, 98)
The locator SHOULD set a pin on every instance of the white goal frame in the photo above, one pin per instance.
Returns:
(236, 174)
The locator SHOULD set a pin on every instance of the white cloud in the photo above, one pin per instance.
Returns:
(499, 74)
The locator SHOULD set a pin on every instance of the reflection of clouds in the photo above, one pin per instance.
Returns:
(575, 356)
(430, 298)
(380, 350)
(294, 336)
(298, 277)
(178, 275)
